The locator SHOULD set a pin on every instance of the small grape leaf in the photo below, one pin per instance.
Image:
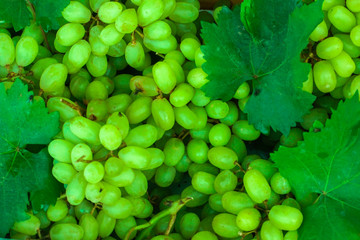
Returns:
(15, 12)
(262, 44)
(48, 12)
(328, 163)
(19, 13)
(23, 121)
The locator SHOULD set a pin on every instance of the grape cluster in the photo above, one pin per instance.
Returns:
(141, 145)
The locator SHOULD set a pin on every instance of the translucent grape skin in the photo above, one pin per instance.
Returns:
(285, 217)
(256, 186)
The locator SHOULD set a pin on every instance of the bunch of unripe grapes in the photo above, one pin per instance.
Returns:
(336, 42)
(139, 137)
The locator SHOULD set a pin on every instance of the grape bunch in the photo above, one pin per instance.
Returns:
(143, 153)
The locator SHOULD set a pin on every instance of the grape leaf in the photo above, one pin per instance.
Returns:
(48, 12)
(24, 121)
(262, 44)
(328, 163)
(19, 13)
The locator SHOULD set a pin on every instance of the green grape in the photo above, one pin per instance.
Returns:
(94, 172)
(79, 54)
(161, 46)
(224, 225)
(69, 219)
(163, 113)
(233, 201)
(176, 236)
(106, 224)
(203, 167)
(242, 91)
(316, 114)
(118, 103)
(149, 11)
(26, 51)
(331, 3)
(203, 182)
(60, 48)
(200, 99)
(204, 235)
(217, 109)
(157, 158)
(43, 52)
(117, 50)
(188, 47)
(161, 237)
(85, 129)
(320, 32)
(348, 46)
(272, 201)
(142, 136)
(342, 18)
(291, 202)
(94, 192)
(70, 33)
(185, 117)
(144, 86)
(90, 226)
(189, 225)
(355, 35)
(184, 13)
(44, 221)
(184, 164)
(202, 133)
(139, 110)
(285, 217)
(279, 184)
(60, 149)
(134, 54)
(256, 186)
(164, 77)
(39, 66)
(182, 95)
(329, 48)
(122, 227)
(165, 175)
(353, 5)
(76, 12)
(245, 131)
(215, 202)
(291, 235)
(232, 116)
(135, 157)
(201, 116)
(219, 135)
(174, 150)
(98, 48)
(66, 231)
(139, 185)
(225, 181)
(343, 64)
(97, 65)
(110, 137)
(34, 31)
(121, 82)
(248, 219)
(142, 208)
(266, 167)
(169, 6)
(30, 226)
(53, 77)
(238, 146)
(197, 150)
(122, 179)
(75, 190)
(64, 106)
(175, 55)
(198, 78)
(109, 11)
(120, 121)
(68, 135)
(96, 110)
(110, 193)
(158, 30)
(177, 69)
(58, 211)
(121, 209)
(7, 50)
(222, 157)
(270, 232)
(295, 135)
(242, 102)
(198, 197)
(127, 21)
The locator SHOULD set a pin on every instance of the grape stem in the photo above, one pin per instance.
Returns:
(172, 210)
